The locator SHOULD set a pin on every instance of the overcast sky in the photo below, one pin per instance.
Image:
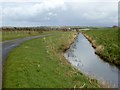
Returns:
(59, 12)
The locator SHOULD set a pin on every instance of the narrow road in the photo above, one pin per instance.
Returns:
(7, 46)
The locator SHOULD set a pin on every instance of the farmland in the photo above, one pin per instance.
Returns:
(105, 41)
(42, 65)
(15, 32)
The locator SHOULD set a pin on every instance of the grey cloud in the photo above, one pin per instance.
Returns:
(63, 13)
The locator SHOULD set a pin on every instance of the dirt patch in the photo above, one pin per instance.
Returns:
(99, 49)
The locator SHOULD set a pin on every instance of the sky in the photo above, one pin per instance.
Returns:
(59, 12)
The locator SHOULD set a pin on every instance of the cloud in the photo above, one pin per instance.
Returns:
(103, 11)
(60, 12)
(64, 0)
(91, 13)
(33, 10)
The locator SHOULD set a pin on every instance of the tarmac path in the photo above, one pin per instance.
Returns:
(7, 46)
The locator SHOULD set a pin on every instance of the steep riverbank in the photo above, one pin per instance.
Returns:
(71, 41)
(105, 42)
(82, 56)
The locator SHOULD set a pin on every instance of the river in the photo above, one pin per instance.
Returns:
(82, 56)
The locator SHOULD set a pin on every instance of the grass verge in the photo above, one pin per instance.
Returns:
(39, 63)
(20, 34)
(105, 42)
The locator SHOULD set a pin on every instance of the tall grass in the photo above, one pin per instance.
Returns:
(108, 38)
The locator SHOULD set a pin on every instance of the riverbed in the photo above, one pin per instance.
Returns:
(82, 56)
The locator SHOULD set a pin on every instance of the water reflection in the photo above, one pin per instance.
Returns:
(82, 55)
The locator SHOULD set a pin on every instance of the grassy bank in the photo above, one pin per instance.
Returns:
(106, 43)
(0, 36)
(39, 63)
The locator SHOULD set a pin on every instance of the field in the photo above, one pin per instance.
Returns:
(20, 34)
(15, 35)
(105, 40)
(42, 65)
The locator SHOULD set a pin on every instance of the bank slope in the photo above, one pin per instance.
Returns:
(105, 41)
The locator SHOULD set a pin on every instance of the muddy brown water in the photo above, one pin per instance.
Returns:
(82, 56)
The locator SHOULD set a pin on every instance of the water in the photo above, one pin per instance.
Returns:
(82, 55)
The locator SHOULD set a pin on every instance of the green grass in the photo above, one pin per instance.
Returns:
(0, 36)
(39, 63)
(108, 37)
(20, 34)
